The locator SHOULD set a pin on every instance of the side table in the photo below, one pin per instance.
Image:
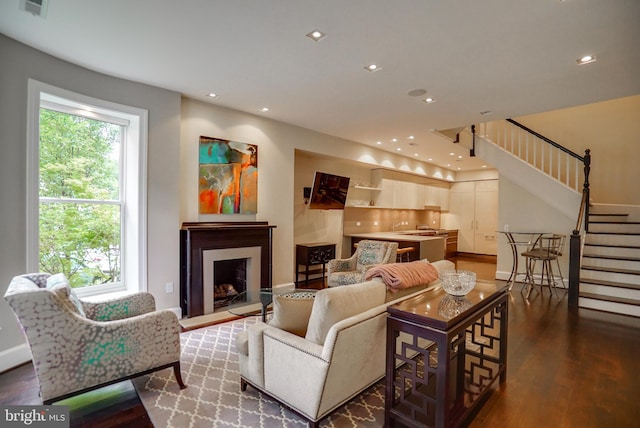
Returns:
(444, 353)
(313, 254)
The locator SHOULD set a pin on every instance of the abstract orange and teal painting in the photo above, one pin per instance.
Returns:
(228, 181)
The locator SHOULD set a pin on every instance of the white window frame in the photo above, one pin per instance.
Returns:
(133, 182)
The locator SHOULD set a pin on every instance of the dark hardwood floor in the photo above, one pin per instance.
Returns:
(117, 405)
(565, 369)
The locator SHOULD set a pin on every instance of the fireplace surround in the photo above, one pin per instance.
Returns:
(227, 272)
(200, 241)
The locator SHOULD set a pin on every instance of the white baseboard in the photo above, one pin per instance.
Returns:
(505, 276)
(502, 275)
(14, 357)
(285, 286)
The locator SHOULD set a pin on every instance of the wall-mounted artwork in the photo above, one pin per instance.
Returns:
(228, 177)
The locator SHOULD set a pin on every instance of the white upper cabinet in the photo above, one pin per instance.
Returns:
(407, 191)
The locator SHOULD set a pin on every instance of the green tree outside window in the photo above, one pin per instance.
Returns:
(80, 201)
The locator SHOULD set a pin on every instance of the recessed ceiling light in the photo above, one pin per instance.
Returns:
(430, 159)
(586, 59)
(372, 67)
(393, 140)
(417, 92)
(415, 154)
(459, 168)
(264, 109)
(459, 156)
(448, 164)
(316, 35)
(452, 154)
(411, 137)
(212, 95)
(429, 100)
(484, 166)
(379, 142)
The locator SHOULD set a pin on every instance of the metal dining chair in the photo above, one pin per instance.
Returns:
(548, 249)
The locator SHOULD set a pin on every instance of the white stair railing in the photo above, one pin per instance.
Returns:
(547, 156)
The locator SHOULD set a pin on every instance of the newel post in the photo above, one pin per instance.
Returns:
(575, 243)
(574, 268)
(585, 189)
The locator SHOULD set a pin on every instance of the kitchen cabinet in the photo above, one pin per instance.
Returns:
(426, 247)
(451, 246)
(473, 210)
(406, 191)
(436, 194)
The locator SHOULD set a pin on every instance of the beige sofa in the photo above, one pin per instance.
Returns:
(341, 353)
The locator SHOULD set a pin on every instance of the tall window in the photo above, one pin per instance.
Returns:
(87, 207)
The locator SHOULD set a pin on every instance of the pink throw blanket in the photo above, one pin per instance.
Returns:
(398, 276)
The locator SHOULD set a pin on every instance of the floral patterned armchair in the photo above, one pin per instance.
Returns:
(368, 254)
(78, 346)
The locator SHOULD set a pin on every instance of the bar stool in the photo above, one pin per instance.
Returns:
(404, 254)
(550, 248)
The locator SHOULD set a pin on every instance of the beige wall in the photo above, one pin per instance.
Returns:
(275, 143)
(611, 129)
(312, 225)
(523, 211)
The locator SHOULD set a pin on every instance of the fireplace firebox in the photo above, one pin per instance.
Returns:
(229, 280)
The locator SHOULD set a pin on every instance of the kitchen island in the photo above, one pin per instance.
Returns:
(426, 247)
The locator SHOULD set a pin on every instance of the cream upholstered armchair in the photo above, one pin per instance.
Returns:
(368, 254)
(78, 346)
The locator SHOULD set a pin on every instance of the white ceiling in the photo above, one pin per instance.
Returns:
(511, 57)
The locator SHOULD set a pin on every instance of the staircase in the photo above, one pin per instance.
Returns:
(610, 270)
(609, 273)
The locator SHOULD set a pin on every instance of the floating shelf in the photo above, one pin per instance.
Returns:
(366, 188)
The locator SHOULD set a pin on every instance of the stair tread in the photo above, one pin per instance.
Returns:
(609, 214)
(622, 258)
(614, 233)
(614, 222)
(609, 283)
(612, 299)
(612, 270)
(637, 247)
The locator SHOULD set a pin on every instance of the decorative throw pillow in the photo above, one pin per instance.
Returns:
(291, 311)
(335, 304)
(59, 284)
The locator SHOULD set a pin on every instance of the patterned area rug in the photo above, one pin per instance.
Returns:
(213, 397)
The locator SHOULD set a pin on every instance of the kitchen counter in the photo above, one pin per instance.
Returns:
(427, 247)
(421, 232)
(404, 235)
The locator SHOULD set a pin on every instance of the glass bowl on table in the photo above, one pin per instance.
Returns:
(457, 282)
